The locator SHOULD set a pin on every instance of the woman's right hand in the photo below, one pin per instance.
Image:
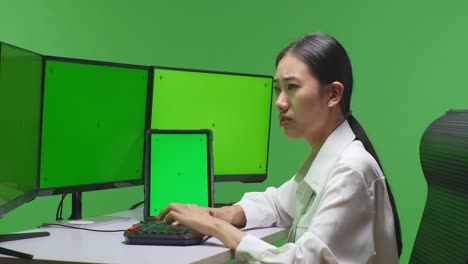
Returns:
(209, 221)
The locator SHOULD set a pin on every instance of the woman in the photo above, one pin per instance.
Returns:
(338, 205)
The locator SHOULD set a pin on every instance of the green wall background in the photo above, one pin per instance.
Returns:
(409, 60)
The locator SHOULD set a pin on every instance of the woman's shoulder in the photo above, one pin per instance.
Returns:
(356, 157)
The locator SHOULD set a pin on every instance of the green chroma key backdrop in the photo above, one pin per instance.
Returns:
(408, 57)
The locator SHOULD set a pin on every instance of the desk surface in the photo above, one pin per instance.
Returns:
(73, 245)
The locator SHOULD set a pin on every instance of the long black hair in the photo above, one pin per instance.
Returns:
(328, 62)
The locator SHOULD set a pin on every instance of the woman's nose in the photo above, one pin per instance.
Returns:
(281, 102)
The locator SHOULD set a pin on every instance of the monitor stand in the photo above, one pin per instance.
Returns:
(77, 206)
(18, 236)
(76, 214)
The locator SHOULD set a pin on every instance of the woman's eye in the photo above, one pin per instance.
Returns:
(277, 90)
(292, 86)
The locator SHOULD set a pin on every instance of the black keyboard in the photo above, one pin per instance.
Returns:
(154, 232)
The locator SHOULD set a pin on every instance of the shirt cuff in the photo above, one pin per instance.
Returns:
(249, 211)
(251, 249)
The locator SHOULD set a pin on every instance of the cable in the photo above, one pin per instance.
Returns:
(81, 228)
(136, 205)
(58, 215)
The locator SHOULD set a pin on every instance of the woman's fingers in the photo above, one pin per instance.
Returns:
(185, 214)
(170, 218)
(176, 223)
(165, 211)
(174, 213)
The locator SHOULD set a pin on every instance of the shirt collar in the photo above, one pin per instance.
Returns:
(316, 174)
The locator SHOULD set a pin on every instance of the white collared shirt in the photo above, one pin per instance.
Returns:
(336, 205)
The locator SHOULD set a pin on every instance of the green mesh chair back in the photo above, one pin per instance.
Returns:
(443, 233)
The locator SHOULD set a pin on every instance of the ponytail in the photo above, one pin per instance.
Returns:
(362, 136)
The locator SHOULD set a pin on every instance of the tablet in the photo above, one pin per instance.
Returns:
(178, 167)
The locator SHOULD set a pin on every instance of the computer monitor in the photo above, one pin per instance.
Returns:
(236, 107)
(93, 126)
(20, 108)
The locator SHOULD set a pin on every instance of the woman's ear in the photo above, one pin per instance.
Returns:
(335, 93)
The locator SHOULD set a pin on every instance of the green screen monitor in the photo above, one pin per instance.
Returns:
(20, 115)
(178, 168)
(235, 107)
(93, 127)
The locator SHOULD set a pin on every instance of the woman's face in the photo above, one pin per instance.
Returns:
(301, 102)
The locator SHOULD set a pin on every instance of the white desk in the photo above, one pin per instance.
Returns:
(74, 245)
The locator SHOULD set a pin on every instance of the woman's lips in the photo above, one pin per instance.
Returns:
(284, 121)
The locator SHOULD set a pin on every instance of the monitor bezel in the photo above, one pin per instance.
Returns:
(245, 178)
(103, 185)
